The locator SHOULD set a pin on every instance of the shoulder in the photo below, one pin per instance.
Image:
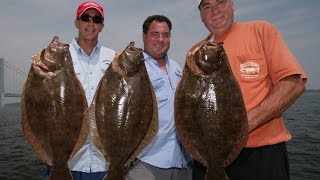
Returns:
(255, 29)
(174, 64)
(107, 50)
(107, 53)
(256, 22)
(260, 25)
(73, 45)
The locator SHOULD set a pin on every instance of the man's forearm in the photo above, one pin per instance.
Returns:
(280, 97)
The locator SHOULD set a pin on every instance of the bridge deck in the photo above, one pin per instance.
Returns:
(12, 95)
(11, 82)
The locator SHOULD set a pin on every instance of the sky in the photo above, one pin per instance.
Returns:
(28, 26)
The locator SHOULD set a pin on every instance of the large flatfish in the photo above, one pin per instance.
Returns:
(125, 111)
(53, 103)
(210, 114)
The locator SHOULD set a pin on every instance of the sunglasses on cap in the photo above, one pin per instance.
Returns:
(86, 18)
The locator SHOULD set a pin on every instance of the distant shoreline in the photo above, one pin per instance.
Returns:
(313, 90)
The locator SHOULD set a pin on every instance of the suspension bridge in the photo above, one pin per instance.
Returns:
(11, 82)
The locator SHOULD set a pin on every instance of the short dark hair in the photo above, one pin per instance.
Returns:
(158, 18)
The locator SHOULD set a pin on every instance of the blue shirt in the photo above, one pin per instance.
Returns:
(89, 70)
(165, 151)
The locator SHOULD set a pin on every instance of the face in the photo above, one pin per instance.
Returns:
(157, 40)
(217, 15)
(89, 30)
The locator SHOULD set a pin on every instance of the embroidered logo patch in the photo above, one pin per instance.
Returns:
(249, 69)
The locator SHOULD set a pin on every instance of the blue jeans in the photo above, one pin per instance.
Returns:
(77, 175)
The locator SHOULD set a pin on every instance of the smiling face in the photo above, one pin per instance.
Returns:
(89, 31)
(157, 39)
(217, 15)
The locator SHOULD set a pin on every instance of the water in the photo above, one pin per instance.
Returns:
(303, 121)
(18, 162)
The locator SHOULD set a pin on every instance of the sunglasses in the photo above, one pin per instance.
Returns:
(86, 18)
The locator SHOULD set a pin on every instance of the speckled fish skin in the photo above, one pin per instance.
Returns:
(125, 110)
(52, 109)
(210, 114)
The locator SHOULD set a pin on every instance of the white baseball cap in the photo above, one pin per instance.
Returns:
(199, 2)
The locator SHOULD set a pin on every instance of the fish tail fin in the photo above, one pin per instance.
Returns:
(60, 174)
(216, 173)
(115, 172)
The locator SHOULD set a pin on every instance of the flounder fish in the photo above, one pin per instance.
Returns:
(210, 114)
(53, 105)
(125, 111)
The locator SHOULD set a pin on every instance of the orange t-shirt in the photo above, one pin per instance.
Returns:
(259, 58)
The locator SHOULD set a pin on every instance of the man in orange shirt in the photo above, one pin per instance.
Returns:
(270, 79)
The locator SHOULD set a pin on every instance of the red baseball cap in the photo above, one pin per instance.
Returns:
(89, 5)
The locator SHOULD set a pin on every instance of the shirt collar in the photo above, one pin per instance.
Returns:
(147, 57)
(79, 49)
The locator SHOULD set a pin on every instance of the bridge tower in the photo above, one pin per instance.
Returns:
(11, 82)
(2, 82)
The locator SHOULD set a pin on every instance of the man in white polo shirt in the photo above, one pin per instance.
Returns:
(90, 60)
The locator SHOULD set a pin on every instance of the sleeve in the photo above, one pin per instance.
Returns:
(280, 60)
